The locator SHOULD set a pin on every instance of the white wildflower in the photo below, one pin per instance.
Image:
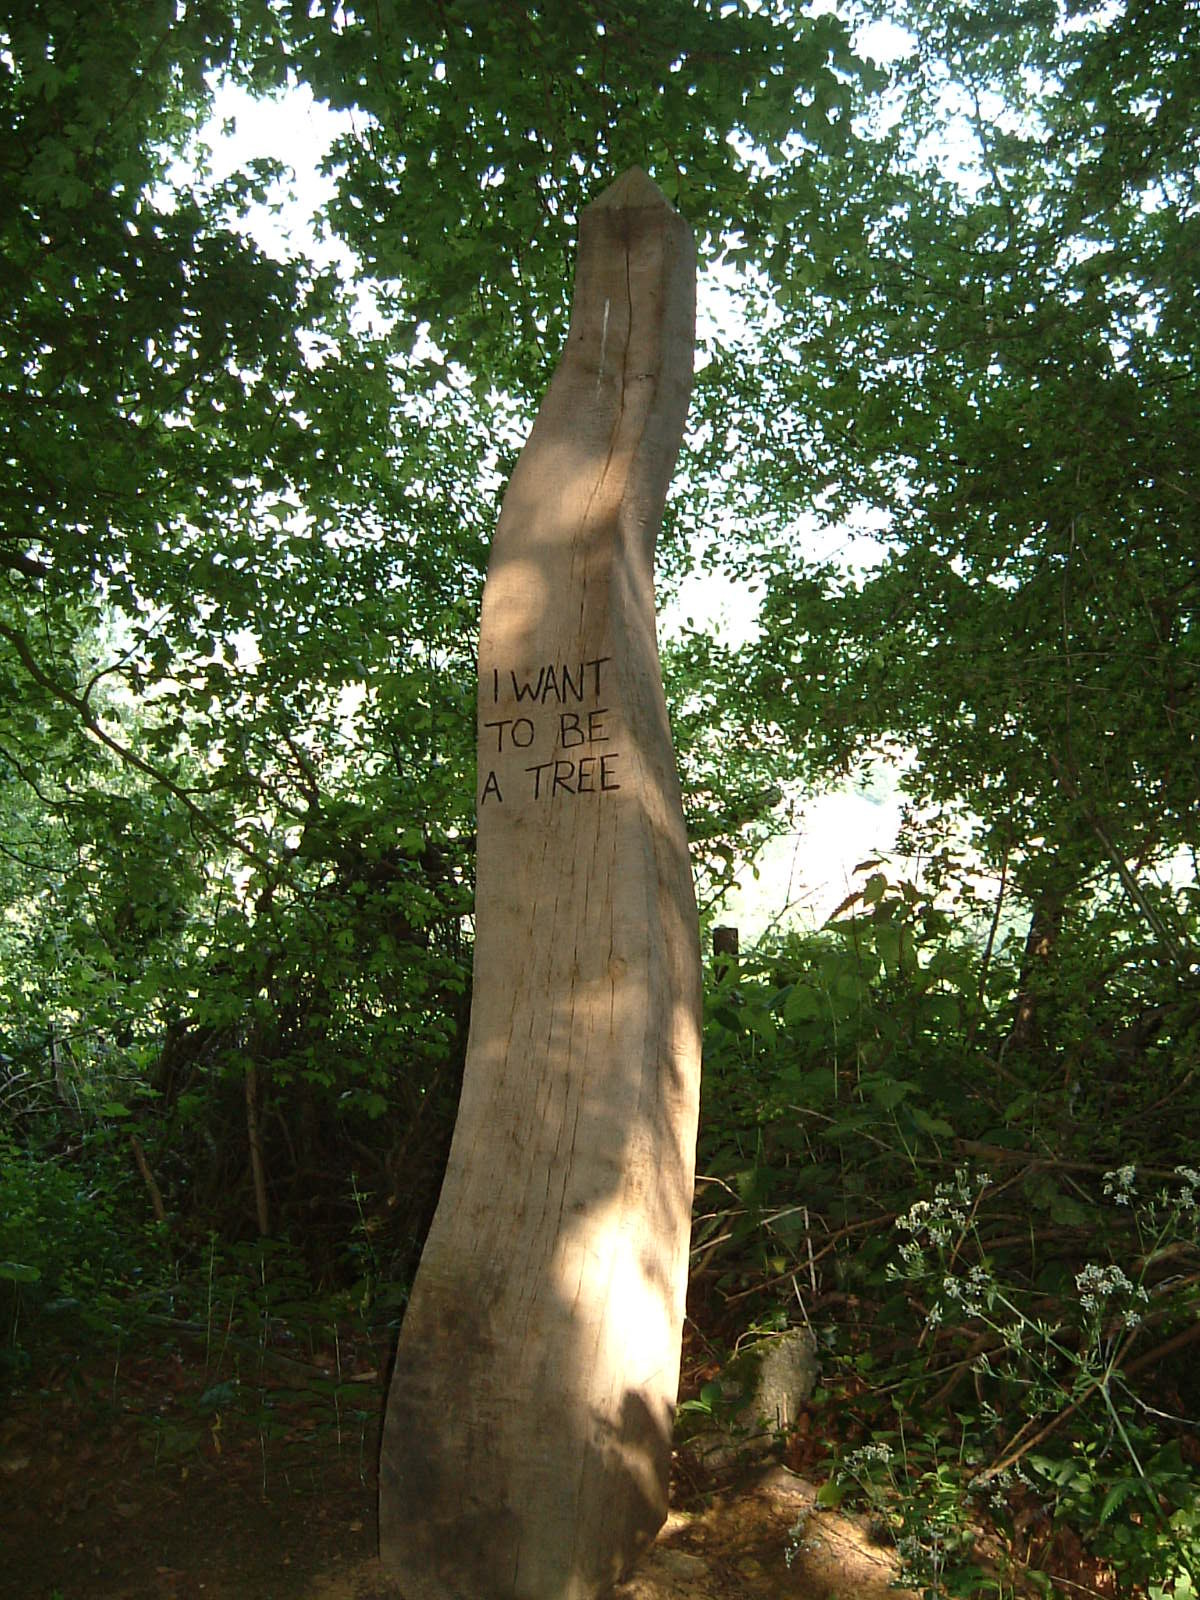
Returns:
(1119, 1184)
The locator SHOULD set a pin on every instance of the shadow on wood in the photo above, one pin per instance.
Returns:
(527, 1440)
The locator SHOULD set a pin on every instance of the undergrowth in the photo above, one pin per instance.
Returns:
(990, 1229)
(97, 1303)
(994, 1240)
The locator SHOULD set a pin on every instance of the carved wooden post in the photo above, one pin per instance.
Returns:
(527, 1440)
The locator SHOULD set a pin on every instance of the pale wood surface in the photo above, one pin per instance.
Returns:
(527, 1438)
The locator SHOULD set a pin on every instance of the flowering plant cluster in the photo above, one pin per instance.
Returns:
(1055, 1361)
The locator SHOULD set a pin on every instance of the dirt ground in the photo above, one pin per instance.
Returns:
(150, 1489)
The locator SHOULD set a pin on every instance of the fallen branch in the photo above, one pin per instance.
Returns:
(1162, 1351)
(994, 1152)
(143, 1166)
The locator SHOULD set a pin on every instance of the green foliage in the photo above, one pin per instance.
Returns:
(68, 1259)
(996, 379)
(244, 530)
(1003, 1341)
(467, 147)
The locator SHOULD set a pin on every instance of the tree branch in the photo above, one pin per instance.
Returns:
(124, 754)
(15, 561)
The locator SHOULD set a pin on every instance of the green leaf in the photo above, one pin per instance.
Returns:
(888, 939)
(936, 1127)
(1071, 1213)
(758, 1020)
(876, 888)
(885, 1090)
(218, 1396)
(1117, 1495)
(804, 1004)
(16, 1272)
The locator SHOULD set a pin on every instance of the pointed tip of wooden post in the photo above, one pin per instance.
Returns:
(633, 189)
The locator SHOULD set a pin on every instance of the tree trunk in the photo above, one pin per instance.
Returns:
(148, 1178)
(254, 1140)
(1037, 964)
(528, 1432)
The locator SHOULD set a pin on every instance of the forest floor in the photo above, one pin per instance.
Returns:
(145, 1480)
